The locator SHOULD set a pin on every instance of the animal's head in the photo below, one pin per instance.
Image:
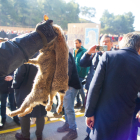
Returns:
(58, 30)
(46, 31)
(60, 36)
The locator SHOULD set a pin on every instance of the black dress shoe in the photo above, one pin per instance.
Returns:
(2, 123)
(87, 137)
(40, 138)
(78, 105)
(19, 136)
(1, 126)
(16, 120)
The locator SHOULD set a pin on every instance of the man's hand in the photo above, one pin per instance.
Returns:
(8, 78)
(138, 116)
(90, 122)
(92, 49)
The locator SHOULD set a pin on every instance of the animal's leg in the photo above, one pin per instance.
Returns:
(31, 61)
(60, 106)
(44, 103)
(27, 111)
(18, 111)
(50, 102)
(26, 104)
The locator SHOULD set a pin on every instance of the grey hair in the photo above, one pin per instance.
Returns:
(131, 40)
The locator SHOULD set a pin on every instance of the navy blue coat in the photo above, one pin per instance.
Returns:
(92, 62)
(112, 94)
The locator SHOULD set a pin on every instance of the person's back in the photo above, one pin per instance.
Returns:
(123, 80)
(113, 90)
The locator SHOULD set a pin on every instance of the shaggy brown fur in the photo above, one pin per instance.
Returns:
(52, 76)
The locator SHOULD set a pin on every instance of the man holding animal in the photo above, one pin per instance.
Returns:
(52, 62)
(14, 53)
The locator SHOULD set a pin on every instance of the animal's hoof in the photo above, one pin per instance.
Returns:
(21, 115)
(10, 114)
(48, 108)
(59, 109)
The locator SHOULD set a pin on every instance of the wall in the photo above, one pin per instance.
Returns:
(88, 33)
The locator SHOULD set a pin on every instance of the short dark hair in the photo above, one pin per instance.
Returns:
(106, 36)
(78, 40)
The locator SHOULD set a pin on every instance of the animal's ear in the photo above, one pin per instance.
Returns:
(51, 22)
(46, 17)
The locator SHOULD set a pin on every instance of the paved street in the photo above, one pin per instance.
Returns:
(49, 132)
(50, 129)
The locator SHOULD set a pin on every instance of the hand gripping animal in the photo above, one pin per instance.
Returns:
(51, 78)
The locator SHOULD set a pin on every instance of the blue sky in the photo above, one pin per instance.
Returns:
(113, 6)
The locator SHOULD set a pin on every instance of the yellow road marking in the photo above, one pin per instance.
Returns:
(33, 125)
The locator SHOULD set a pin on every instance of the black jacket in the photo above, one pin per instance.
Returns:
(3, 34)
(14, 53)
(92, 62)
(73, 74)
(5, 86)
(22, 83)
(112, 94)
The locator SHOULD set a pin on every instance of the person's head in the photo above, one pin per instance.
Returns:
(78, 43)
(131, 40)
(106, 40)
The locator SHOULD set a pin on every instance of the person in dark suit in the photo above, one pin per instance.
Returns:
(22, 83)
(7, 91)
(111, 98)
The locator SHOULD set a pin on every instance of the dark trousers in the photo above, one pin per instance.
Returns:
(25, 126)
(81, 92)
(88, 130)
(134, 128)
(4, 101)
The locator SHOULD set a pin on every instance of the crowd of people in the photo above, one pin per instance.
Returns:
(111, 80)
(11, 33)
(114, 38)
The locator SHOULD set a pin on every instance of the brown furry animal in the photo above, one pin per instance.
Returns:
(52, 76)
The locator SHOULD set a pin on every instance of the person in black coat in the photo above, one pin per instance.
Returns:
(22, 83)
(15, 53)
(3, 34)
(113, 90)
(7, 91)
